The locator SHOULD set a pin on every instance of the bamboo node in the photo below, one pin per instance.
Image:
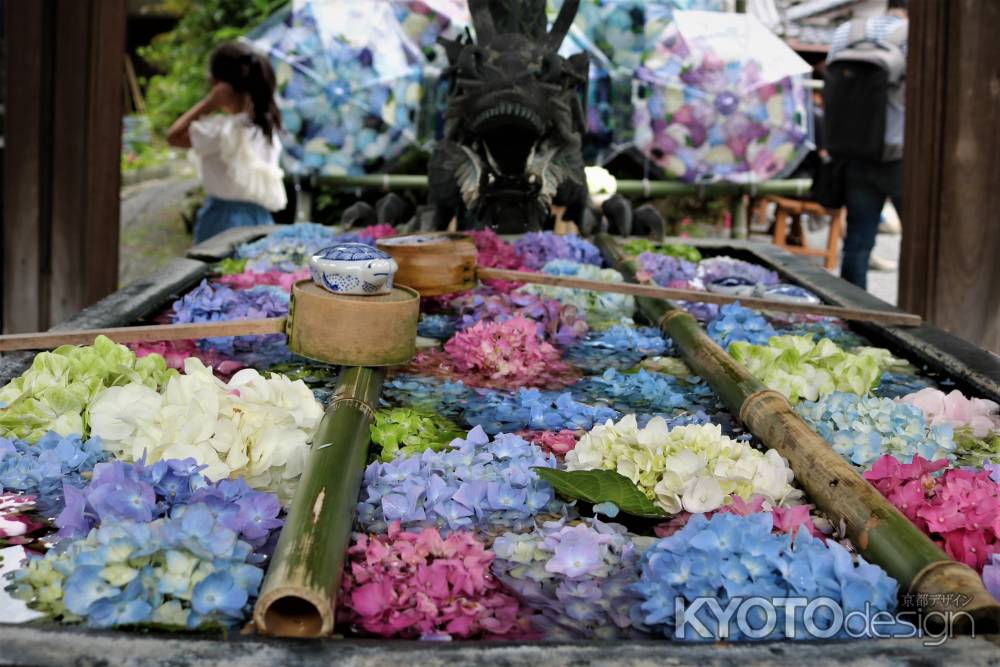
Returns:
(354, 403)
(749, 403)
(670, 314)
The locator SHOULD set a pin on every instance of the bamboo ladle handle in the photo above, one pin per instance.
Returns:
(852, 314)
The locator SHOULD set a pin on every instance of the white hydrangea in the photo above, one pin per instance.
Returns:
(253, 427)
(695, 468)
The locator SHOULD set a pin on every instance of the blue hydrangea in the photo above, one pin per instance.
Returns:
(824, 328)
(43, 468)
(186, 570)
(646, 391)
(538, 248)
(211, 303)
(136, 492)
(862, 429)
(619, 347)
(729, 559)
(476, 484)
(896, 385)
(424, 393)
(736, 323)
(577, 577)
(498, 412)
(441, 327)
(287, 248)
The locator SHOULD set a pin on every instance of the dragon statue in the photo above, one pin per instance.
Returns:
(513, 127)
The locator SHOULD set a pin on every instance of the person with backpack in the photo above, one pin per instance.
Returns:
(864, 103)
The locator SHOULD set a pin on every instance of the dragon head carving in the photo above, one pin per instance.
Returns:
(514, 121)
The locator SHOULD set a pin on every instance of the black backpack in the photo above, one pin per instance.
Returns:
(861, 82)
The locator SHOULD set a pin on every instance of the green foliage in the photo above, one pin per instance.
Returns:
(599, 486)
(144, 156)
(639, 246)
(182, 54)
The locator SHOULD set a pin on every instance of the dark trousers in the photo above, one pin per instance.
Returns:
(866, 187)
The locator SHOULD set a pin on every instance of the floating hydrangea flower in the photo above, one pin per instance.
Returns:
(208, 303)
(248, 279)
(422, 585)
(42, 469)
(475, 484)
(805, 370)
(600, 308)
(538, 248)
(694, 468)
(700, 310)
(176, 352)
(959, 509)
(252, 426)
(556, 322)
(444, 397)
(499, 412)
(979, 415)
(732, 558)
(557, 442)
(187, 570)
(736, 323)
(823, 327)
(862, 429)
(619, 347)
(577, 576)
(636, 247)
(53, 395)
(495, 253)
(122, 491)
(287, 248)
(991, 575)
(646, 391)
(665, 270)
(897, 385)
(404, 431)
(505, 354)
(717, 268)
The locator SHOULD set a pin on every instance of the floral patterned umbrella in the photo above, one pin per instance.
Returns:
(722, 98)
(351, 77)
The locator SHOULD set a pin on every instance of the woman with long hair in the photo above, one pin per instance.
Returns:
(233, 132)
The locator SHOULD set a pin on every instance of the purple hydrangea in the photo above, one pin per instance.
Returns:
(41, 469)
(666, 270)
(538, 248)
(716, 268)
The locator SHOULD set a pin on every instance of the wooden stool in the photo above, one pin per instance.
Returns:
(795, 208)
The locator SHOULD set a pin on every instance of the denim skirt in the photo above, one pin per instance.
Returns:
(218, 215)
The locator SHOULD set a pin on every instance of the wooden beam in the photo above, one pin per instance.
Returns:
(949, 270)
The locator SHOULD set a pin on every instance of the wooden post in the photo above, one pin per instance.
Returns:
(949, 271)
(61, 159)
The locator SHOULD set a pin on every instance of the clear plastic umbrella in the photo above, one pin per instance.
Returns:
(351, 77)
(720, 97)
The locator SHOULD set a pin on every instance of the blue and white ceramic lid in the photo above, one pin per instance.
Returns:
(733, 285)
(353, 268)
(414, 239)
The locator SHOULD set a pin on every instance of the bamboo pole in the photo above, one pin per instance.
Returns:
(635, 188)
(298, 597)
(655, 292)
(879, 531)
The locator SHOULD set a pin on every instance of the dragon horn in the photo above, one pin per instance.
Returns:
(562, 23)
(482, 20)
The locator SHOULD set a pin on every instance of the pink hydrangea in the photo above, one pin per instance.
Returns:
(786, 519)
(176, 352)
(494, 252)
(954, 408)
(959, 509)
(376, 232)
(558, 442)
(250, 278)
(418, 584)
(501, 355)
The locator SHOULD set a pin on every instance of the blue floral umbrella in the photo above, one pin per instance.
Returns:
(351, 77)
(720, 97)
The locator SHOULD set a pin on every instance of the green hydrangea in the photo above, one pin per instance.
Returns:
(231, 266)
(56, 392)
(403, 431)
(805, 370)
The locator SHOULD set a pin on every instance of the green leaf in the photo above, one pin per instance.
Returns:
(598, 486)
